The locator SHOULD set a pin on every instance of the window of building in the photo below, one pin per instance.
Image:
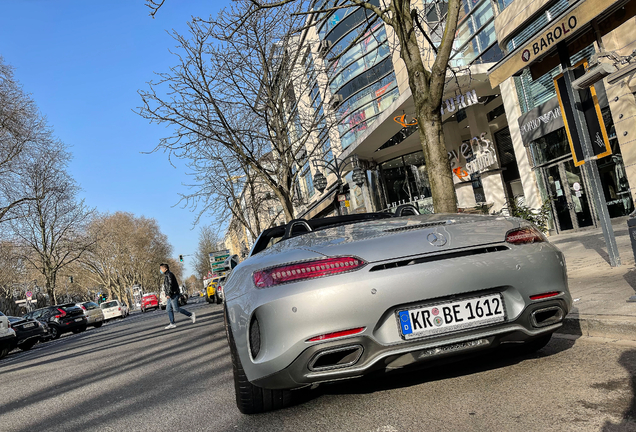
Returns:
(436, 18)
(308, 181)
(359, 66)
(352, 21)
(532, 93)
(326, 150)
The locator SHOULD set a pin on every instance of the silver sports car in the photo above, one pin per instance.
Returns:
(335, 298)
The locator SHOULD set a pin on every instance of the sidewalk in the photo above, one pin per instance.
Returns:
(600, 292)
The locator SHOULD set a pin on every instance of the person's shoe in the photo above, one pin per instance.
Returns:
(170, 326)
(194, 317)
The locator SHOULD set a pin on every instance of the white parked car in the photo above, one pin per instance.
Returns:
(7, 335)
(113, 309)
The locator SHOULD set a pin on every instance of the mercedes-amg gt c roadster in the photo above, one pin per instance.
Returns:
(329, 299)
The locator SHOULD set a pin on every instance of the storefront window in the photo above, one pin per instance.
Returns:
(550, 147)
(405, 180)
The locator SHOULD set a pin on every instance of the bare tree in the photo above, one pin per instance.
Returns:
(226, 188)
(128, 252)
(24, 140)
(51, 229)
(426, 60)
(236, 89)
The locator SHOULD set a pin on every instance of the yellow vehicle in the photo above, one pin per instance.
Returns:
(211, 296)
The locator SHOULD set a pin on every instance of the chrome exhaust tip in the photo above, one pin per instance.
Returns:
(547, 316)
(336, 358)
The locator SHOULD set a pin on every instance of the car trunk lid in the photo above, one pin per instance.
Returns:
(406, 236)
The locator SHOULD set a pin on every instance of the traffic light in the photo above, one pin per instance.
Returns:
(180, 258)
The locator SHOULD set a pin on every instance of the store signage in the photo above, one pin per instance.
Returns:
(460, 101)
(593, 118)
(479, 154)
(456, 103)
(540, 121)
(555, 32)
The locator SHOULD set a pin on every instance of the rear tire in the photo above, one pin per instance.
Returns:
(26, 346)
(251, 399)
(4, 351)
(55, 332)
(218, 299)
(99, 324)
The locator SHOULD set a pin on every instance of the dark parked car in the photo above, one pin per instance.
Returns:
(61, 319)
(28, 332)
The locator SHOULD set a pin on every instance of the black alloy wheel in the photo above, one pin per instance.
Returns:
(98, 324)
(4, 351)
(55, 332)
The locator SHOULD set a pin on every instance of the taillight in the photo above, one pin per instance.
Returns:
(61, 314)
(337, 334)
(524, 235)
(119, 308)
(306, 270)
(544, 295)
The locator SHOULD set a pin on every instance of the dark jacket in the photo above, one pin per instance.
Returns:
(170, 284)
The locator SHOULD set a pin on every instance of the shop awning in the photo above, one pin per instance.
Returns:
(568, 24)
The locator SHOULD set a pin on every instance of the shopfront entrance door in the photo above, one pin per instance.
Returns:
(568, 193)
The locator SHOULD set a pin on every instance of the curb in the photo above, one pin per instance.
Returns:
(606, 326)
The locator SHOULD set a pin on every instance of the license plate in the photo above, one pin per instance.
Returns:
(78, 319)
(29, 325)
(451, 316)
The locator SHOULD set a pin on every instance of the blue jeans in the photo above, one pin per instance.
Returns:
(173, 305)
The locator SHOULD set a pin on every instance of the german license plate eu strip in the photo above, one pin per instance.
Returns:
(451, 316)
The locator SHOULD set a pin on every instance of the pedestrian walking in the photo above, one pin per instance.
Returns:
(172, 292)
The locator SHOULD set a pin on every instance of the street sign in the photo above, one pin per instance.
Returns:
(29, 294)
(342, 198)
(217, 260)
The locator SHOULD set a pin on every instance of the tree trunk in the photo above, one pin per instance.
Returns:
(427, 112)
(436, 159)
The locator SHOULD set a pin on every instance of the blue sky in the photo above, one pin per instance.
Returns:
(83, 62)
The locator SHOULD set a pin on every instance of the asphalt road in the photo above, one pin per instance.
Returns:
(134, 375)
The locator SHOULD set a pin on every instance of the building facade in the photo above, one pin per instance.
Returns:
(541, 38)
(505, 134)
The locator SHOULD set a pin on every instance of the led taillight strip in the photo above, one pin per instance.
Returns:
(305, 270)
(337, 334)
(545, 295)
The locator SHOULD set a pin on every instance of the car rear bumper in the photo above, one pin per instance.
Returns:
(357, 356)
(72, 324)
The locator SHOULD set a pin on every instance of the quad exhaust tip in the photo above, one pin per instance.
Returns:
(336, 358)
(547, 316)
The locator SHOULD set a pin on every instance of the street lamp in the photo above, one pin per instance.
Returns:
(338, 167)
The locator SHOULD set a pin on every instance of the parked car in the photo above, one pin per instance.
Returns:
(28, 332)
(113, 309)
(93, 313)
(7, 336)
(219, 290)
(149, 301)
(163, 300)
(60, 319)
(408, 290)
(211, 291)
